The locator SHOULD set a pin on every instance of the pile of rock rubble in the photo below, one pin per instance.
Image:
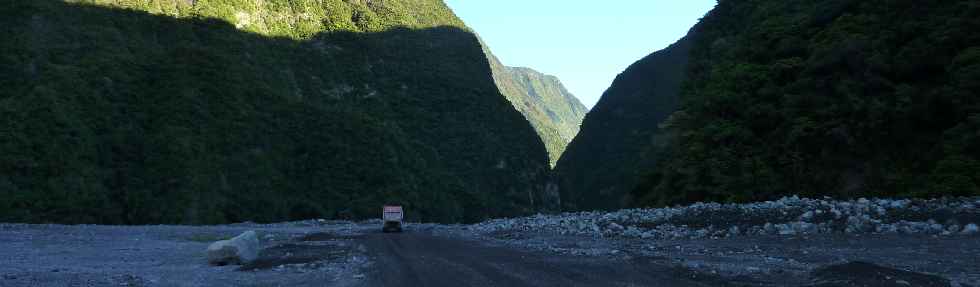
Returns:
(789, 216)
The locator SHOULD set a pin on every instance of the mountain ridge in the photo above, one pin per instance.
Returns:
(117, 115)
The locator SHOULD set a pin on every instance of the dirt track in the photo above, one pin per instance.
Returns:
(420, 259)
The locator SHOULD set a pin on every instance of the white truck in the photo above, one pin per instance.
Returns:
(392, 216)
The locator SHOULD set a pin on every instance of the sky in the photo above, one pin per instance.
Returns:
(584, 43)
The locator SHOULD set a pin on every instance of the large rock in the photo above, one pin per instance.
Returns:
(242, 249)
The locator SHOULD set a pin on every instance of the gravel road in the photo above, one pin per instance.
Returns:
(421, 259)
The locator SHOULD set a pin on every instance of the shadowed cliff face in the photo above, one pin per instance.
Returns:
(119, 116)
(604, 161)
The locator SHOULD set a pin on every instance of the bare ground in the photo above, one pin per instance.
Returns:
(57, 255)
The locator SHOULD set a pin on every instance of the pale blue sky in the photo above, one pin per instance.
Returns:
(585, 43)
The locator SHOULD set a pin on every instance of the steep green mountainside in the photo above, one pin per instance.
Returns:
(553, 112)
(841, 98)
(602, 163)
(563, 109)
(174, 111)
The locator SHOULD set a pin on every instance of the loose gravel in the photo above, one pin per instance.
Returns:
(93, 255)
(787, 216)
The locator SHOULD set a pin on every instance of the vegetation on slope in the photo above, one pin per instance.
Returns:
(842, 98)
(563, 109)
(226, 111)
(553, 112)
(838, 98)
(601, 165)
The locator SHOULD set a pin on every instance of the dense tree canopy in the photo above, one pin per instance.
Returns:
(840, 98)
(837, 97)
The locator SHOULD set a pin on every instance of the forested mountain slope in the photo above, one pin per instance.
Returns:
(601, 164)
(553, 111)
(841, 98)
(173, 111)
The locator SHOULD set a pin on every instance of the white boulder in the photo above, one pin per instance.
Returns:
(242, 249)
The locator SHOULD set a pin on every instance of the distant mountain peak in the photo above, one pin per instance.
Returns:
(552, 110)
